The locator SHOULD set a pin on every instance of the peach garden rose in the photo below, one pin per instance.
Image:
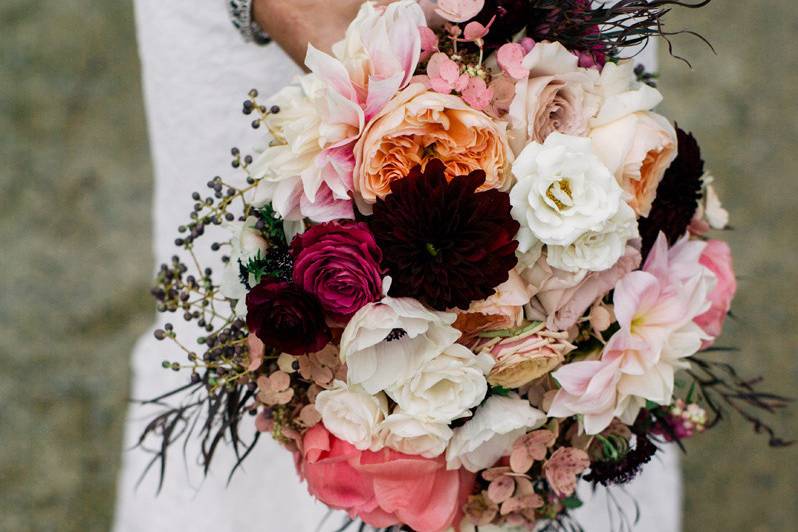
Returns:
(419, 125)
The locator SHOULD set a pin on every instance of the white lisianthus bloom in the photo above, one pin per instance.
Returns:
(597, 251)
(352, 414)
(385, 343)
(490, 434)
(446, 387)
(411, 435)
(246, 243)
(562, 192)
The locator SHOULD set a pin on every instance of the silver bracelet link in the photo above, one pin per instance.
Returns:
(241, 16)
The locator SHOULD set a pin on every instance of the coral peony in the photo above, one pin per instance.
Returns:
(383, 488)
(339, 263)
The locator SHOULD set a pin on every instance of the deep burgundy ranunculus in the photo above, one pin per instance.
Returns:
(286, 318)
(445, 243)
(339, 263)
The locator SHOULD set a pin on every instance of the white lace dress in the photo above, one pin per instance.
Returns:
(196, 73)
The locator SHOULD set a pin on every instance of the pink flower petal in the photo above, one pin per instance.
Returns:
(510, 58)
(474, 30)
(459, 10)
(429, 42)
(477, 94)
(501, 489)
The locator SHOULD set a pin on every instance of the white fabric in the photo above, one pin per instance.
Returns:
(196, 73)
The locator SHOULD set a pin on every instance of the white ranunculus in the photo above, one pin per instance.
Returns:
(446, 387)
(385, 343)
(411, 435)
(622, 94)
(562, 192)
(490, 434)
(597, 251)
(352, 414)
(246, 243)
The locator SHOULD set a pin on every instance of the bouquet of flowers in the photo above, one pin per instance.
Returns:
(468, 267)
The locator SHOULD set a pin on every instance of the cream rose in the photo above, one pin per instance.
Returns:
(557, 96)
(411, 435)
(562, 192)
(418, 125)
(352, 414)
(597, 251)
(637, 149)
(446, 387)
(490, 434)
(387, 342)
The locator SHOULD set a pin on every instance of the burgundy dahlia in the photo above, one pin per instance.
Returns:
(338, 263)
(286, 318)
(444, 243)
(677, 195)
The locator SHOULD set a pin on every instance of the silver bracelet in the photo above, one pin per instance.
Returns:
(241, 16)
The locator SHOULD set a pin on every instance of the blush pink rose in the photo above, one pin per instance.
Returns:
(717, 258)
(561, 298)
(339, 263)
(383, 488)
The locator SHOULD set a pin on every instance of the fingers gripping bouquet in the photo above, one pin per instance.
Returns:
(469, 267)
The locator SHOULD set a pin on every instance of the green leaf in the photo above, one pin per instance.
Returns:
(500, 390)
(273, 226)
(572, 502)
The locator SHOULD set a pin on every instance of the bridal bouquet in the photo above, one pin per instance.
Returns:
(469, 266)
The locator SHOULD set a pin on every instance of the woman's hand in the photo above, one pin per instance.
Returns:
(295, 23)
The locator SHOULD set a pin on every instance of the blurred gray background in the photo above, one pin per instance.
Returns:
(75, 187)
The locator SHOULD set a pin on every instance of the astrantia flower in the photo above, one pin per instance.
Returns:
(445, 243)
(339, 263)
(286, 318)
(677, 196)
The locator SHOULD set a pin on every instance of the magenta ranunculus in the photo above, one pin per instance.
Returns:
(286, 318)
(717, 257)
(339, 263)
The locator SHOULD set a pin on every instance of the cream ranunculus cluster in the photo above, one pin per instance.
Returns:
(568, 200)
(398, 348)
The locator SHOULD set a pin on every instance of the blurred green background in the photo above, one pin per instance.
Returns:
(75, 187)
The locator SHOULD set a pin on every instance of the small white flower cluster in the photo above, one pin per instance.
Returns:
(398, 349)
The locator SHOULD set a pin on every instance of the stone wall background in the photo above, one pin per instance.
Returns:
(75, 188)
